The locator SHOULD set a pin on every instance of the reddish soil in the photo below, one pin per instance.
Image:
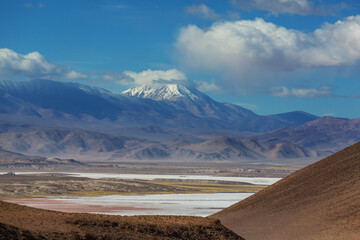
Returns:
(321, 201)
(21, 222)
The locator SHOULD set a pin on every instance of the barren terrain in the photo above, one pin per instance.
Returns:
(215, 168)
(39, 185)
(20, 222)
(321, 201)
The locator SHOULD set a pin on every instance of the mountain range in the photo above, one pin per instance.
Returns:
(16, 160)
(326, 134)
(157, 121)
(93, 146)
(172, 105)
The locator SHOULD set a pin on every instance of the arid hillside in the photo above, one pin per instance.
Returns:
(321, 201)
(325, 135)
(87, 146)
(20, 222)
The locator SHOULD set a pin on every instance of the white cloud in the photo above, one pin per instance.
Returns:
(158, 76)
(253, 45)
(29, 65)
(205, 86)
(203, 11)
(32, 65)
(144, 77)
(75, 75)
(149, 76)
(301, 7)
(323, 91)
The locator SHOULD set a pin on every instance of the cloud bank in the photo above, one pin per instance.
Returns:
(247, 45)
(320, 92)
(33, 65)
(208, 86)
(144, 77)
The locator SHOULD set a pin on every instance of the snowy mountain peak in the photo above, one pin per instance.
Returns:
(170, 92)
(189, 99)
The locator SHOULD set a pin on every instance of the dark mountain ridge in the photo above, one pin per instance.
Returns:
(58, 102)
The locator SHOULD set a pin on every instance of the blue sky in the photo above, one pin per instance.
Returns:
(270, 56)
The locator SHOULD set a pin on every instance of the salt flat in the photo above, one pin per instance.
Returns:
(150, 204)
(252, 180)
(133, 203)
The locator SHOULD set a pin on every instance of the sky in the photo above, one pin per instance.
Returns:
(270, 56)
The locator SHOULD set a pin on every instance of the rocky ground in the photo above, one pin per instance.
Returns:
(20, 222)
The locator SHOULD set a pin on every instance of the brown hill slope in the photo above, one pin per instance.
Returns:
(20, 222)
(321, 201)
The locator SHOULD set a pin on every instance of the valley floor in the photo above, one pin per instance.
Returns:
(56, 190)
(227, 169)
(50, 184)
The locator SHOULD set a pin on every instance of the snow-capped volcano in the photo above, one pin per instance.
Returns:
(170, 92)
(171, 105)
(188, 98)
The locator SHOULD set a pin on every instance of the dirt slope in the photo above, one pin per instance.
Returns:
(20, 222)
(321, 201)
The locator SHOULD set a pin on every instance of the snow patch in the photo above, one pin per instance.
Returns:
(170, 92)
